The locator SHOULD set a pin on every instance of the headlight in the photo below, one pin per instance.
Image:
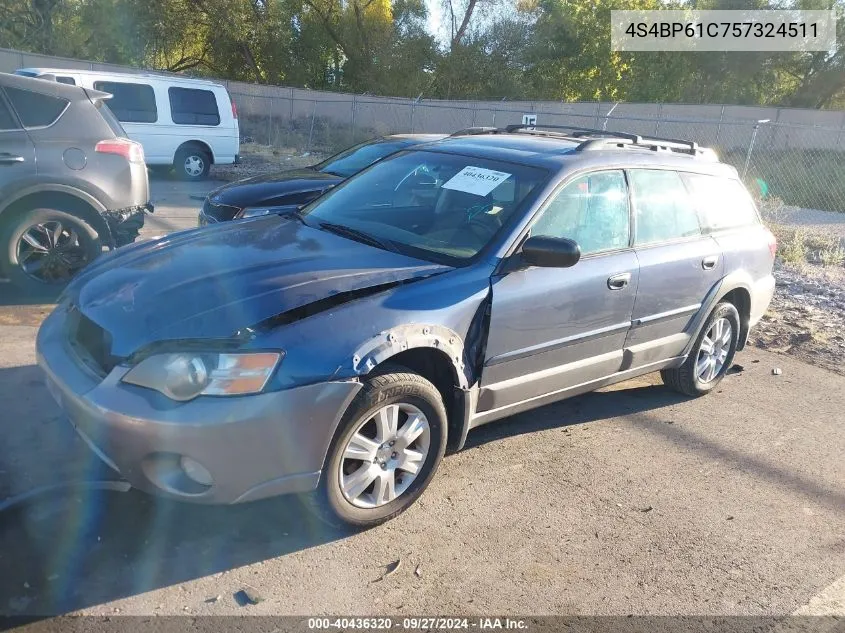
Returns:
(253, 212)
(186, 376)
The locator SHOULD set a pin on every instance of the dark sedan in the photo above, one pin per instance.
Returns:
(287, 190)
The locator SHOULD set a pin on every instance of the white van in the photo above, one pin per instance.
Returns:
(184, 123)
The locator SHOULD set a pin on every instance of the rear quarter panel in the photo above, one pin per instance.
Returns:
(748, 262)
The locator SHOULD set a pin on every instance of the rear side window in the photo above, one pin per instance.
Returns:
(722, 203)
(130, 102)
(664, 210)
(7, 119)
(66, 80)
(36, 109)
(189, 106)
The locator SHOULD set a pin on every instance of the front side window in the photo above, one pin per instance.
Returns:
(437, 206)
(722, 203)
(663, 207)
(130, 102)
(36, 109)
(189, 106)
(592, 210)
(351, 161)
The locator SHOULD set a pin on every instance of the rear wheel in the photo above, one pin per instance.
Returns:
(385, 453)
(43, 249)
(711, 356)
(192, 163)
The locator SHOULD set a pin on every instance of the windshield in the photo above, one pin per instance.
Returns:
(351, 161)
(443, 206)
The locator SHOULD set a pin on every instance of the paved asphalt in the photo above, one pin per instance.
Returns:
(632, 500)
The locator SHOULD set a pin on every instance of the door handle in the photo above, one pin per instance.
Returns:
(709, 262)
(10, 159)
(617, 282)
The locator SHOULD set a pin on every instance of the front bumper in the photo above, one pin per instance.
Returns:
(252, 446)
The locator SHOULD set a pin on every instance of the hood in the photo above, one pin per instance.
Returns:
(211, 283)
(279, 188)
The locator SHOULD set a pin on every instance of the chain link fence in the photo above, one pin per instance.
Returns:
(793, 154)
(803, 165)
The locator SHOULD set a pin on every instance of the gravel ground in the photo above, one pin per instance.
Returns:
(806, 318)
(262, 159)
(811, 219)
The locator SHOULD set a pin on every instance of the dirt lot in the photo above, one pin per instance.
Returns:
(628, 501)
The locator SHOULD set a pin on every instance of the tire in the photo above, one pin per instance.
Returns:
(411, 395)
(78, 244)
(192, 163)
(691, 378)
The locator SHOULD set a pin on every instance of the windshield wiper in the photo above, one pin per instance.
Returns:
(359, 236)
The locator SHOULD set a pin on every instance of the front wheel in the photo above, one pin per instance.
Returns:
(711, 356)
(385, 453)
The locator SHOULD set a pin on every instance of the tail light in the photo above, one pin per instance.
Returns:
(773, 242)
(234, 109)
(130, 150)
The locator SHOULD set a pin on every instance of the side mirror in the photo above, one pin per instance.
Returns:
(550, 252)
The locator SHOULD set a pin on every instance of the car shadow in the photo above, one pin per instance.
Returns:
(11, 295)
(76, 547)
(589, 407)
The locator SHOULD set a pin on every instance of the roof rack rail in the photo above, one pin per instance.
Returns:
(614, 138)
(469, 131)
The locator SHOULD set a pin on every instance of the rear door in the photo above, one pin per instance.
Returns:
(679, 265)
(555, 328)
(17, 151)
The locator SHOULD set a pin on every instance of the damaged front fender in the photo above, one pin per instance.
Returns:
(398, 339)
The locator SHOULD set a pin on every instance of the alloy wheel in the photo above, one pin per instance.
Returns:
(51, 252)
(384, 455)
(714, 350)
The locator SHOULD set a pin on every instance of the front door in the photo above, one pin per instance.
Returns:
(553, 328)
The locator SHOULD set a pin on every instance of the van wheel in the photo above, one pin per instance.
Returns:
(192, 163)
(44, 248)
(711, 356)
(387, 448)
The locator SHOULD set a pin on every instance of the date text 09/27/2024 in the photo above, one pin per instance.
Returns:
(418, 623)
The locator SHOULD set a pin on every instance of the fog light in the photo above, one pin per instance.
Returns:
(196, 471)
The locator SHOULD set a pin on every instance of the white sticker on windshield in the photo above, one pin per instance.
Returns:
(476, 180)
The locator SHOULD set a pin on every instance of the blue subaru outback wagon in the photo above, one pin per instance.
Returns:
(340, 349)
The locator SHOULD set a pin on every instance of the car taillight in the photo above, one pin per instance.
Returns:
(234, 110)
(130, 150)
(773, 243)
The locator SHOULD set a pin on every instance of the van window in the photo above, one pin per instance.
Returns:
(66, 80)
(592, 210)
(664, 209)
(189, 106)
(36, 109)
(130, 102)
(722, 203)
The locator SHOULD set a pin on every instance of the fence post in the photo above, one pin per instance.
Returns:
(353, 119)
(750, 148)
(719, 127)
(290, 119)
(659, 114)
(311, 131)
(413, 107)
(270, 122)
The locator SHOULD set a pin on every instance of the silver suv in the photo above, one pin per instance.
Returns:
(340, 349)
(70, 182)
